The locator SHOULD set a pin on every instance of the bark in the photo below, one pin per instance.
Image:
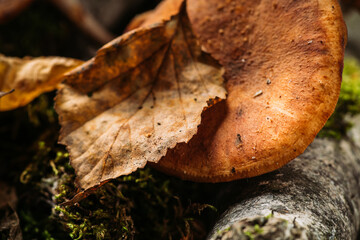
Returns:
(316, 196)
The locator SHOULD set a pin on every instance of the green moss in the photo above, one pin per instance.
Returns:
(144, 205)
(261, 227)
(39, 182)
(269, 216)
(223, 231)
(348, 103)
(258, 229)
(103, 215)
(249, 235)
(254, 229)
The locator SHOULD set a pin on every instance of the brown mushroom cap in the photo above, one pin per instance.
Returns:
(283, 62)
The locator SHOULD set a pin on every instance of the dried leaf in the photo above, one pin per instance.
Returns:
(30, 77)
(141, 95)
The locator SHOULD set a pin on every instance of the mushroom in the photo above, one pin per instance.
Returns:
(283, 61)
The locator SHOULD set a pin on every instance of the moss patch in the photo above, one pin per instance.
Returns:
(348, 103)
(143, 205)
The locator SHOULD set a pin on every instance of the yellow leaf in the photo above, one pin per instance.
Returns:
(30, 77)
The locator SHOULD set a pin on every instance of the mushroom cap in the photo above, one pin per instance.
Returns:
(283, 63)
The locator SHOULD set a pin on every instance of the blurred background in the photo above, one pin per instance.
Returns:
(77, 28)
(71, 28)
(352, 19)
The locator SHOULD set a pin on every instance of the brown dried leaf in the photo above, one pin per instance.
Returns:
(141, 95)
(30, 77)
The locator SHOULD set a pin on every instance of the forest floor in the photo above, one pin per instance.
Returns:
(35, 175)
